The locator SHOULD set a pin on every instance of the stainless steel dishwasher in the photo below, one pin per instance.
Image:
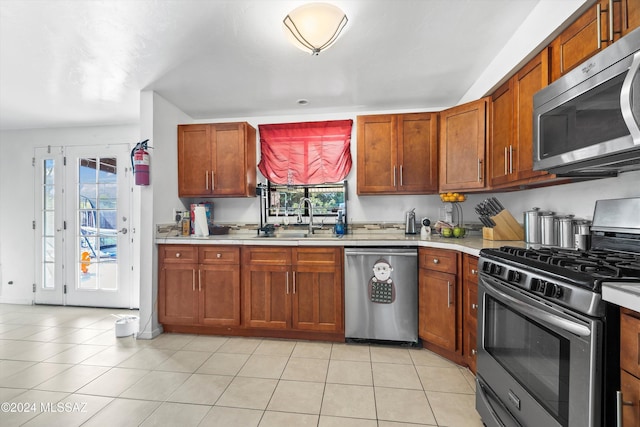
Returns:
(381, 294)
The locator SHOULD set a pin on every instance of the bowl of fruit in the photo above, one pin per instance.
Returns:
(452, 197)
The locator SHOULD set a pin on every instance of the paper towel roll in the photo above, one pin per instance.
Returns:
(200, 227)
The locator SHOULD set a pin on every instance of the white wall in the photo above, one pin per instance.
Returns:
(17, 240)
(158, 120)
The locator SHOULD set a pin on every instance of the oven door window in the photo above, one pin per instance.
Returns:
(538, 358)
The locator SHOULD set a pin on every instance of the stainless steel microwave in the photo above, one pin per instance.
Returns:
(587, 123)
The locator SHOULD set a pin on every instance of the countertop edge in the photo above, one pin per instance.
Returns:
(623, 295)
(468, 245)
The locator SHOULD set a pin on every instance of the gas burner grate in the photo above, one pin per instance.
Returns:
(597, 262)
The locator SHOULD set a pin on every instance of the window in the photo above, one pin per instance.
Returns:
(285, 201)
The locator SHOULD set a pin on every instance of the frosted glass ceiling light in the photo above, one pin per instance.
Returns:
(315, 26)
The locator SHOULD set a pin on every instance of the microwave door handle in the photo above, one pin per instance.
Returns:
(541, 315)
(626, 96)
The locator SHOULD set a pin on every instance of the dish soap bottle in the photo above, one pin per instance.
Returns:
(339, 227)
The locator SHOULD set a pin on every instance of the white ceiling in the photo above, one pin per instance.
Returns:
(84, 62)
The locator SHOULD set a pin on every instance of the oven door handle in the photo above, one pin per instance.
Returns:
(541, 315)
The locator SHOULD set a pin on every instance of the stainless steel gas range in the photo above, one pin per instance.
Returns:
(548, 345)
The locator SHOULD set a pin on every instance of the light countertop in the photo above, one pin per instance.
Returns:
(470, 245)
(623, 294)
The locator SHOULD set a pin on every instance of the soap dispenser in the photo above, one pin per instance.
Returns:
(339, 227)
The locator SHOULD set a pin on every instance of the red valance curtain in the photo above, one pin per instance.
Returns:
(305, 153)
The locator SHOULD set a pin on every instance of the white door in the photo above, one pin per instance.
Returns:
(94, 262)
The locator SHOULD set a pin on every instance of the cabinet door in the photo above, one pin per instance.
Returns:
(418, 153)
(377, 154)
(630, 16)
(501, 134)
(463, 131)
(529, 80)
(630, 344)
(219, 294)
(585, 37)
(229, 159)
(470, 323)
(177, 295)
(630, 387)
(437, 308)
(266, 297)
(194, 160)
(317, 298)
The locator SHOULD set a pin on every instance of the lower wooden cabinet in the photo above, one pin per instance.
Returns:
(630, 366)
(469, 310)
(439, 311)
(278, 291)
(199, 285)
(298, 289)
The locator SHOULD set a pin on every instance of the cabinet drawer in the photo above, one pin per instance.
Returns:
(267, 255)
(630, 344)
(219, 255)
(471, 269)
(317, 256)
(438, 260)
(178, 254)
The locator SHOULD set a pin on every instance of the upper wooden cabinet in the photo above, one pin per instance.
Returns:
(463, 138)
(511, 146)
(216, 160)
(398, 154)
(629, 17)
(601, 25)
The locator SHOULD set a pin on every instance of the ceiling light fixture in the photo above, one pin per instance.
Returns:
(314, 27)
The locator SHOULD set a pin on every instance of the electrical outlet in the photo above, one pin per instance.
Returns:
(176, 215)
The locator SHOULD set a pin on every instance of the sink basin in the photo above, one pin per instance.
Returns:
(292, 235)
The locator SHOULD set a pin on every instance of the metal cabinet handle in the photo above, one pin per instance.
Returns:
(506, 162)
(206, 180)
(394, 175)
(294, 282)
(474, 306)
(598, 26)
(218, 255)
(474, 351)
(474, 271)
(511, 159)
(213, 181)
(448, 294)
(193, 280)
(436, 261)
(479, 170)
(287, 285)
(401, 183)
(610, 20)
(199, 281)
(177, 254)
(619, 403)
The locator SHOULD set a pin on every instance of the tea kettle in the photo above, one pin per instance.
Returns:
(410, 222)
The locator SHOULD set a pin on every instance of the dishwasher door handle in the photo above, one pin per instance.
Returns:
(377, 253)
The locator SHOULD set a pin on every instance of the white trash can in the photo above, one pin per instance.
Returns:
(127, 325)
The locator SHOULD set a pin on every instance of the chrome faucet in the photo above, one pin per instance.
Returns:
(308, 202)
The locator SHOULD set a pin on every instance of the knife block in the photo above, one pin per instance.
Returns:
(506, 228)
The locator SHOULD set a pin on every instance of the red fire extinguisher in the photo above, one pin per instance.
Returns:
(140, 163)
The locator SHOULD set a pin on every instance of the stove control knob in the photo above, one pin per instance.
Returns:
(537, 285)
(552, 290)
(514, 276)
(497, 270)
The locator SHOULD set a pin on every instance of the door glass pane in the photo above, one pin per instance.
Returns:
(97, 224)
(47, 216)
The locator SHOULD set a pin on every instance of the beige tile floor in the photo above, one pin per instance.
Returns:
(64, 366)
